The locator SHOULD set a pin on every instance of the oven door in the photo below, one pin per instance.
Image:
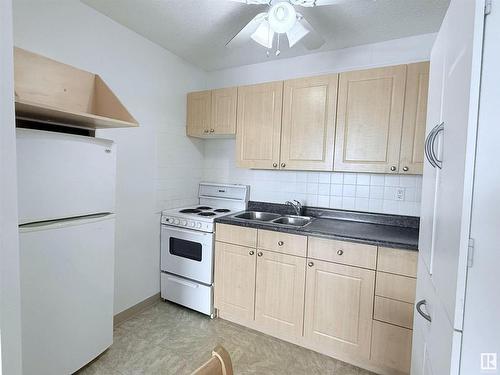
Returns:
(187, 253)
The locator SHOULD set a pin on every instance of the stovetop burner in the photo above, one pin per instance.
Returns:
(207, 214)
(221, 210)
(190, 211)
(203, 208)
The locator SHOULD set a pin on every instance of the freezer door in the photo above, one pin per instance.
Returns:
(63, 175)
(67, 282)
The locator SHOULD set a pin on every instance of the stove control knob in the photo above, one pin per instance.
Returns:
(183, 222)
(191, 224)
(198, 225)
(176, 221)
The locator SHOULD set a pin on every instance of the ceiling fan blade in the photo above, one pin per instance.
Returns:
(243, 36)
(316, 3)
(311, 40)
(252, 2)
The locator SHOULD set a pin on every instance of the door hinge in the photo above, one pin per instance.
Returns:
(470, 253)
(487, 7)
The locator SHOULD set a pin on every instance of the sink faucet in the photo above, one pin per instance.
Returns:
(297, 206)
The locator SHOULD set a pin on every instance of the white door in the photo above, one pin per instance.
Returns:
(63, 175)
(67, 287)
(447, 191)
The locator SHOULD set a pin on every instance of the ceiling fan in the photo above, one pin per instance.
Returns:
(281, 18)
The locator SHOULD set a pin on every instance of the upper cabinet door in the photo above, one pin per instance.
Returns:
(369, 120)
(199, 106)
(308, 128)
(259, 125)
(224, 111)
(415, 113)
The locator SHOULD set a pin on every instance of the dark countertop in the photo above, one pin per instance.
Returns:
(376, 229)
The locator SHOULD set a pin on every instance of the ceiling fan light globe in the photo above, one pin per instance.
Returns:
(296, 33)
(282, 17)
(264, 35)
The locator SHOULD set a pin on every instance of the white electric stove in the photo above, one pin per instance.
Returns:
(187, 245)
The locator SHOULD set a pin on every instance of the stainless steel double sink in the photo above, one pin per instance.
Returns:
(290, 220)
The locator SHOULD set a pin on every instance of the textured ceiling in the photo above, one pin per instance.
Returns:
(197, 30)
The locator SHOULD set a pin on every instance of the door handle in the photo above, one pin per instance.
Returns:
(420, 311)
(429, 148)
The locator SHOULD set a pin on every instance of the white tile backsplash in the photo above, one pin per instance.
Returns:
(351, 191)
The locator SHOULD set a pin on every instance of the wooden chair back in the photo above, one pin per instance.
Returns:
(219, 364)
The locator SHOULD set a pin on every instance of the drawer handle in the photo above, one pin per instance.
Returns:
(251, 252)
(280, 243)
(310, 264)
(260, 253)
(340, 252)
(420, 311)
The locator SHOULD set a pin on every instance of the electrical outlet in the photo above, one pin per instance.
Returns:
(400, 194)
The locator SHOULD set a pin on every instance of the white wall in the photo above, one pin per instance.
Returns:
(10, 303)
(392, 52)
(363, 192)
(158, 166)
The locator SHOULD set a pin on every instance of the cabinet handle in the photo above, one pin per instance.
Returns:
(340, 252)
(212, 130)
(251, 252)
(280, 243)
(275, 165)
(310, 264)
(393, 168)
(405, 169)
(283, 165)
(420, 311)
(260, 253)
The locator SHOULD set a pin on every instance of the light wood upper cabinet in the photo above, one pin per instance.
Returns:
(369, 120)
(199, 108)
(212, 113)
(279, 293)
(338, 308)
(414, 119)
(259, 125)
(235, 281)
(308, 127)
(224, 111)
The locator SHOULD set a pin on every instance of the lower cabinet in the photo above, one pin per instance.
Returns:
(351, 301)
(391, 346)
(279, 293)
(338, 308)
(235, 281)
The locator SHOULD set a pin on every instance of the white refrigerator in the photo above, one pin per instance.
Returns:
(66, 187)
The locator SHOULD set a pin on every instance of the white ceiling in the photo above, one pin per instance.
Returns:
(197, 30)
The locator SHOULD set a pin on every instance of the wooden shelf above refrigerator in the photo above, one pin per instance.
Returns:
(52, 92)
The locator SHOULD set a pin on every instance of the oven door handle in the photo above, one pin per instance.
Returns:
(182, 282)
(170, 230)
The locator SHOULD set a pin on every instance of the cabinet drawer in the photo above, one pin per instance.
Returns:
(394, 312)
(396, 287)
(391, 346)
(292, 244)
(350, 253)
(401, 262)
(236, 235)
